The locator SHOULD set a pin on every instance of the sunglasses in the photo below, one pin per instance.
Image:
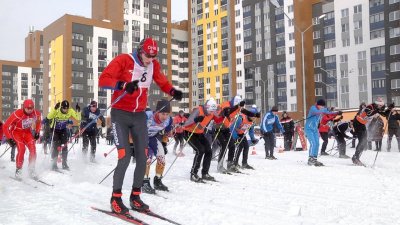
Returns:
(150, 56)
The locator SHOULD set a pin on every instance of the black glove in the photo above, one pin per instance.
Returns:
(103, 124)
(258, 115)
(77, 108)
(57, 106)
(241, 104)
(181, 124)
(391, 106)
(198, 119)
(254, 141)
(131, 86)
(177, 94)
(11, 142)
(165, 147)
(226, 112)
(339, 113)
(36, 136)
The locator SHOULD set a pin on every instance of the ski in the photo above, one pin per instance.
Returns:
(43, 182)
(128, 217)
(151, 213)
(23, 182)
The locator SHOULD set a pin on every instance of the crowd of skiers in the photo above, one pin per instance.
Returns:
(209, 127)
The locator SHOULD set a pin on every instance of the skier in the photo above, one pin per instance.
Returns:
(230, 111)
(340, 130)
(159, 124)
(353, 141)
(46, 138)
(359, 126)
(377, 131)
(324, 128)
(90, 113)
(133, 74)
(244, 124)
(60, 119)
(267, 130)
(288, 127)
(311, 130)
(393, 128)
(18, 130)
(194, 133)
(179, 120)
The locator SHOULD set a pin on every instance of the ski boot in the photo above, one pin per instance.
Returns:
(221, 169)
(117, 206)
(208, 177)
(232, 168)
(65, 166)
(324, 153)
(158, 185)
(18, 174)
(312, 161)
(272, 158)
(92, 158)
(136, 203)
(357, 162)
(146, 187)
(195, 178)
(247, 166)
(33, 175)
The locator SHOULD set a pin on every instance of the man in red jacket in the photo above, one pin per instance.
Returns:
(18, 130)
(133, 74)
(324, 128)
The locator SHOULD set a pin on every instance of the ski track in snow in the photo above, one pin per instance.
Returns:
(283, 191)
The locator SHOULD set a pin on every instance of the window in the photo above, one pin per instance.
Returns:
(317, 48)
(293, 92)
(316, 34)
(358, 25)
(345, 12)
(345, 42)
(394, 66)
(344, 73)
(395, 83)
(317, 77)
(380, 50)
(318, 91)
(344, 89)
(393, 1)
(358, 40)
(394, 32)
(373, 3)
(357, 9)
(377, 34)
(380, 66)
(293, 107)
(317, 62)
(330, 59)
(377, 17)
(345, 27)
(362, 71)
(394, 15)
(378, 83)
(362, 55)
(343, 58)
(292, 78)
(395, 49)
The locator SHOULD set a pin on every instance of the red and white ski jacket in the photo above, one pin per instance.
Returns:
(127, 68)
(22, 122)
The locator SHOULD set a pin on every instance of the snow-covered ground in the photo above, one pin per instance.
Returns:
(284, 191)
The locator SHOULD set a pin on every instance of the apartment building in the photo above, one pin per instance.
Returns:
(180, 63)
(212, 50)
(23, 80)
(356, 52)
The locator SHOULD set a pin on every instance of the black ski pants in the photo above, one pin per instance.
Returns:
(201, 146)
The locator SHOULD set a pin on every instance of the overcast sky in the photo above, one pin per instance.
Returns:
(17, 15)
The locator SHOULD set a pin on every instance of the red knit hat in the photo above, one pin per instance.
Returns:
(28, 103)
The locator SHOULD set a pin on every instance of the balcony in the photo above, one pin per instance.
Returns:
(377, 26)
(376, 9)
(102, 93)
(249, 89)
(102, 57)
(377, 58)
(225, 93)
(225, 81)
(279, 17)
(225, 47)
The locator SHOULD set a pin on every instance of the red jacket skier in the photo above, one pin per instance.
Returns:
(18, 130)
(133, 74)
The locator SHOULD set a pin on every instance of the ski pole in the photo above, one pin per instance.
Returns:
(108, 175)
(304, 119)
(238, 145)
(176, 157)
(106, 154)
(219, 129)
(94, 120)
(9, 146)
(221, 163)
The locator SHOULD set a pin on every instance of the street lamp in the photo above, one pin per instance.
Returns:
(277, 5)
